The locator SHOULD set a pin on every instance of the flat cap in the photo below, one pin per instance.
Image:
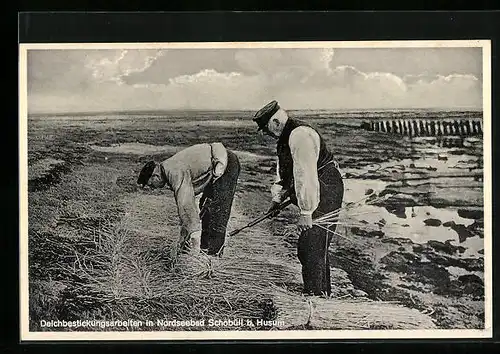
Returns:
(146, 173)
(265, 113)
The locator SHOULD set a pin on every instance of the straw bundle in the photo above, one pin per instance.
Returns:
(329, 313)
(245, 288)
(248, 273)
(201, 286)
(346, 213)
(110, 276)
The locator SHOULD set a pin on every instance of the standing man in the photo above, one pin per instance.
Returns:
(209, 169)
(308, 173)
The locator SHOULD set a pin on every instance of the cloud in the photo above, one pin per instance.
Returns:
(207, 76)
(179, 62)
(411, 79)
(209, 88)
(231, 79)
(369, 83)
(49, 71)
(121, 64)
(285, 63)
(79, 71)
(455, 90)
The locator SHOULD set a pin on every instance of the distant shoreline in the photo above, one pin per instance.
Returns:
(251, 112)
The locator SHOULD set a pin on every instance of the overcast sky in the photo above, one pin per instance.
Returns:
(139, 79)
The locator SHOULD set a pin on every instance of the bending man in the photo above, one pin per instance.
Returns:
(209, 169)
(309, 175)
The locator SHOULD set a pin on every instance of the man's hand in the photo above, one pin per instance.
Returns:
(274, 208)
(194, 242)
(304, 223)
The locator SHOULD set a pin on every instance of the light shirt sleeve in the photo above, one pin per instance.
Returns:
(180, 181)
(219, 160)
(304, 145)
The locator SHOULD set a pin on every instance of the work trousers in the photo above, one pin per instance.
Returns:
(313, 244)
(215, 207)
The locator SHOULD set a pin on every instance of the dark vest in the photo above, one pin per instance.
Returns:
(285, 160)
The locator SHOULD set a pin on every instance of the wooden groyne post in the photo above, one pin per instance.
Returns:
(426, 127)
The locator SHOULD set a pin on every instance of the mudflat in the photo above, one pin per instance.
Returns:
(99, 248)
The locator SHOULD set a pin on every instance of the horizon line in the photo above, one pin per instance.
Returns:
(132, 111)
